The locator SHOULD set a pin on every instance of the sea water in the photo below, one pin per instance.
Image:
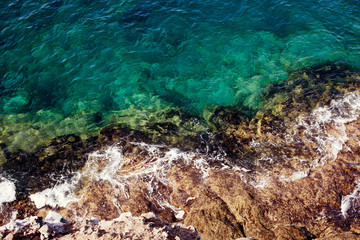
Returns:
(75, 66)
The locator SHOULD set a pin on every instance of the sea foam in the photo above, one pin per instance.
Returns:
(325, 126)
(323, 130)
(59, 195)
(117, 168)
(8, 191)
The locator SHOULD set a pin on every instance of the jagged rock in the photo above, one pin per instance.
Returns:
(55, 221)
(34, 226)
(20, 228)
(283, 232)
(148, 226)
(23, 208)
(341, 236)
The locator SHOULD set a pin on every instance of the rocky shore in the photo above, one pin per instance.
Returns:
(126, 226)
(288, 171)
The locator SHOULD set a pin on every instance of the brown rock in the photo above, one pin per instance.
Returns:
(292, 232)
(148, 226)
(241, 201)
(341, 236)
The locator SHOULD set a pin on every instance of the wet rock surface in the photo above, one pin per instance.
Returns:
(289, 171)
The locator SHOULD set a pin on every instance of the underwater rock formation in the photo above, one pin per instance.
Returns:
(287, 171)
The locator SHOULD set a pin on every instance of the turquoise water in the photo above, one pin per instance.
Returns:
(75, 66)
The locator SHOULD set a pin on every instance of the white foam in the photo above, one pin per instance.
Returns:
(295, 176)
(261, 183)
(18, 224)
(190, 199)
(60, 195)
(323, 130)
(329, 143)
(299, 175)
(119, 169)
(350, 201)
(7, 191)
(180, 215)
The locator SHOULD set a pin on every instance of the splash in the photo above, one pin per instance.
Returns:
(118, 168)
(8, 191)
(325, 127)
(322, 133)
(59, 195)
(150, 164)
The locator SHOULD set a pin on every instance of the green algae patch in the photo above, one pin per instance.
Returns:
(168, 126)
(26, 131)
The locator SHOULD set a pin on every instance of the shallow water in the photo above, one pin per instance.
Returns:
(74, 66)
